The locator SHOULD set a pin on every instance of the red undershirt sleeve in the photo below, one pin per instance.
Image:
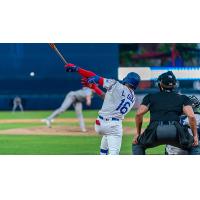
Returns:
(98, 91)
(85, 73)
(88, 74)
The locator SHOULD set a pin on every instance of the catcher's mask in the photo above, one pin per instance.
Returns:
(195, 102)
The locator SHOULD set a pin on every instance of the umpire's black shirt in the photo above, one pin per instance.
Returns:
(165, 105)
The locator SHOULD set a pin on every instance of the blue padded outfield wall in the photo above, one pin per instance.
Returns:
(47, 89)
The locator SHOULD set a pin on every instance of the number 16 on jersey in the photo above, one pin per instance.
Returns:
(123, 106)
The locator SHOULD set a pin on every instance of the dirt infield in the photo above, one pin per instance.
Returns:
(56, 129)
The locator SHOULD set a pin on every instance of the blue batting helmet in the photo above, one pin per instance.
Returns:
(133, 79)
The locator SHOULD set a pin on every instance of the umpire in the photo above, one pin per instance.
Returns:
(165, 108)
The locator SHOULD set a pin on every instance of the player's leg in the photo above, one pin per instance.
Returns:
(101, 128)
(114, 137)
(195, 150)
(14, 107)
(69, 99)
(114, 144)
(138, 149)
(104, 146)
(172, 150)
(21, 107)
(78, 109)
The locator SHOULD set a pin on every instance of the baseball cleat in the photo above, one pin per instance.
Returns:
(83, 130)
(48, 122)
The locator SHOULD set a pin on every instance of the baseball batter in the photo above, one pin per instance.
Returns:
(171, 150)
(75, 98)
(118, 101)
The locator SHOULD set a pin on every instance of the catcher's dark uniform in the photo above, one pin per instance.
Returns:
(165, 109)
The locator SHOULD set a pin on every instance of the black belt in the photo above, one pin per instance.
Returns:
(108, 119)
(166, 122)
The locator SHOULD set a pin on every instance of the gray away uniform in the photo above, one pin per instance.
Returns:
(74, 98)
(171, 150)
(17, 102)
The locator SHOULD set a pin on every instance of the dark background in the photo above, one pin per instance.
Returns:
(47, 89)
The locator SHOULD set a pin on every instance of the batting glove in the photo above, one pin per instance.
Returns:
(71, 67)
(94, 79)
(85, 83)
(92, 86)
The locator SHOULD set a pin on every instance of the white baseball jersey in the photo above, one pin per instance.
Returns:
(81, 94)
(171, 150)
(185, 121)
(118, 101)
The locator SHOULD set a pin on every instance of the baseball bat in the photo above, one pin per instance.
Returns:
(53, 46)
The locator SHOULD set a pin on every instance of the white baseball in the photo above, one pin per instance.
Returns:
(32, 74)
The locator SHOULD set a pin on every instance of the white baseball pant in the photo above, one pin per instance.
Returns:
(112, 136)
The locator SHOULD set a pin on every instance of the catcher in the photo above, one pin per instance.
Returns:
(172, 150)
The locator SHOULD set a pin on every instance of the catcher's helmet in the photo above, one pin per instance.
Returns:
(195, 102)
(133, 79)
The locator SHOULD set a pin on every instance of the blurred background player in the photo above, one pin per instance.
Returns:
(118, 101)
(17, 102)
(172, 150)
(75, 98)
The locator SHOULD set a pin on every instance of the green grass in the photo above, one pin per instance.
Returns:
(57, 145)
(43, 114)
(48, 145)
(17, 125)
